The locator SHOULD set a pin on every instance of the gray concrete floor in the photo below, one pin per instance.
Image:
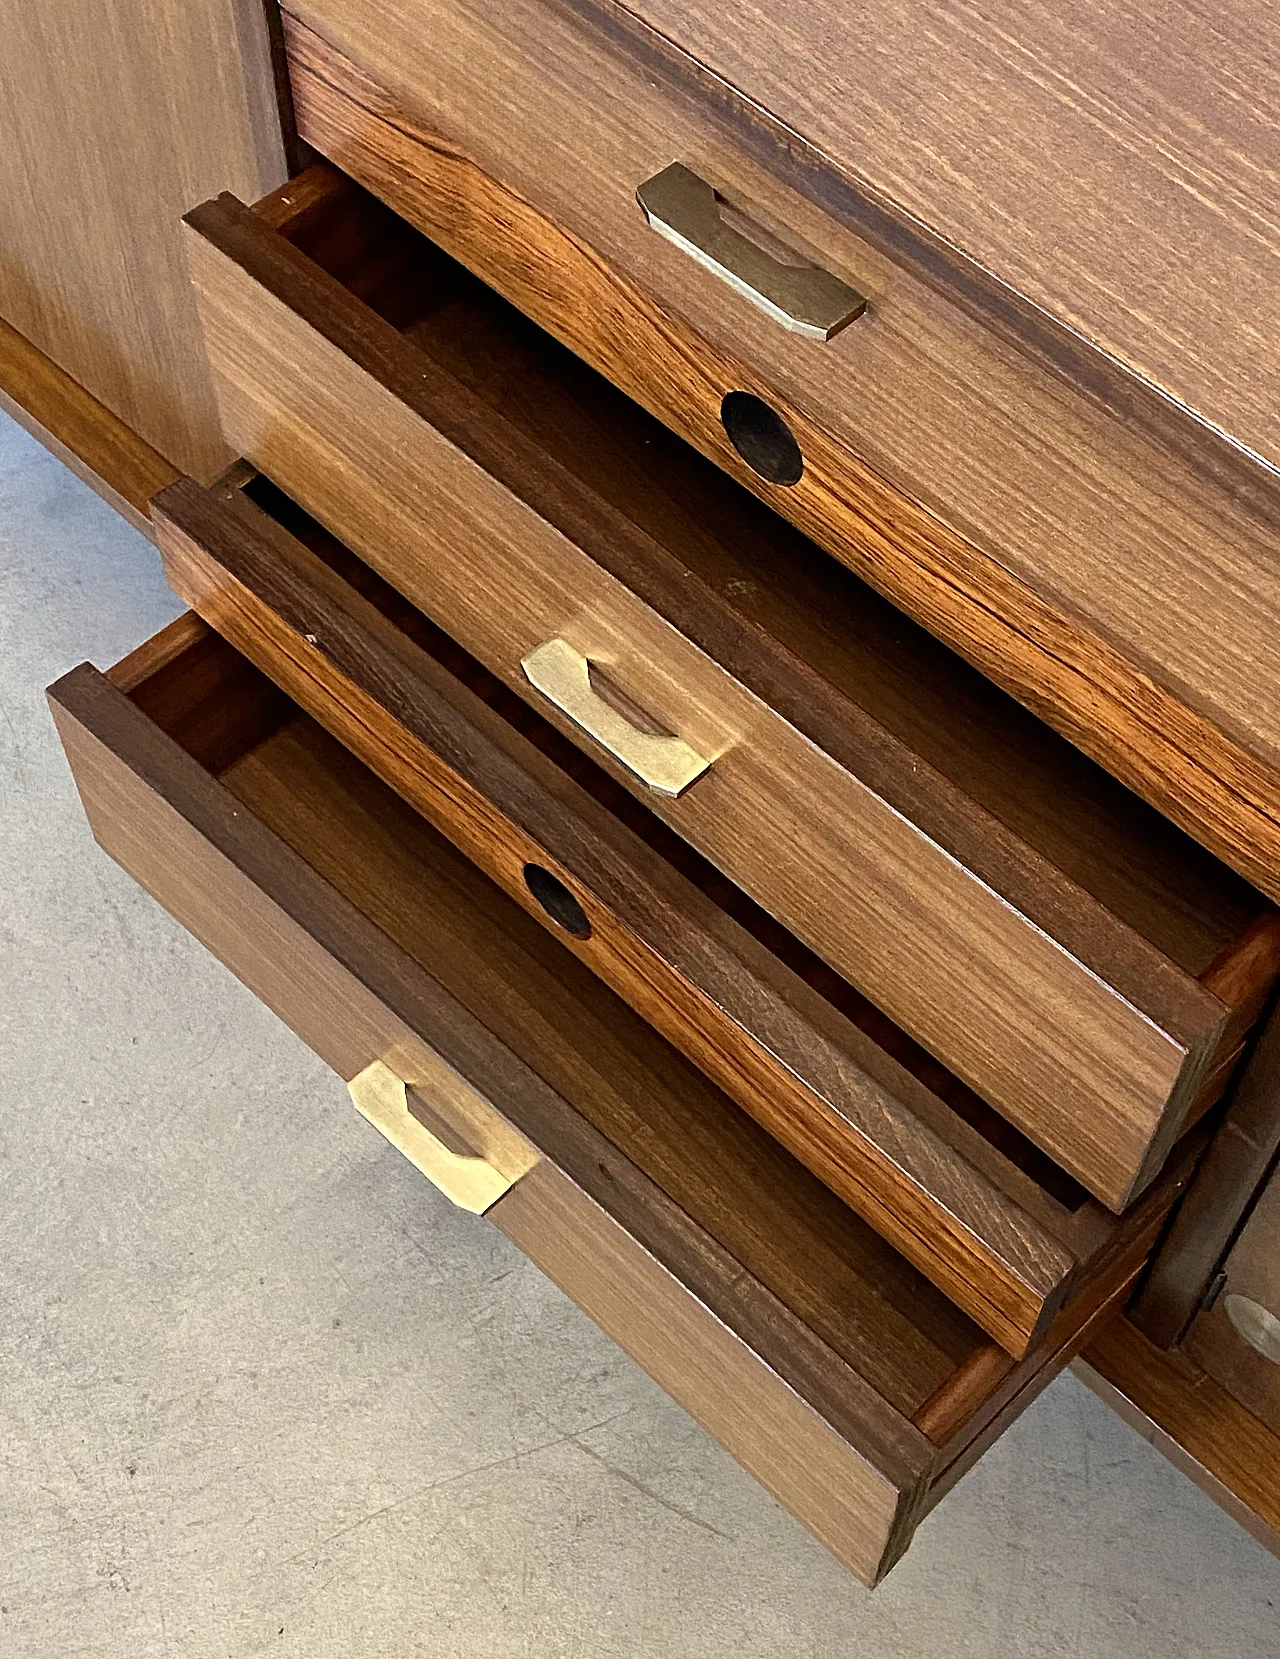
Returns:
(262, 1392)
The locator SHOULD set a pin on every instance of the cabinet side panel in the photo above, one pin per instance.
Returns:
(114, 120)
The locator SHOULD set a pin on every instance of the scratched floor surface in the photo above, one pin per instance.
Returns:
(262, 1392)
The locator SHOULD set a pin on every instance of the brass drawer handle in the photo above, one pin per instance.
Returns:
(563, 675)
(470, 1183)
(802, 297)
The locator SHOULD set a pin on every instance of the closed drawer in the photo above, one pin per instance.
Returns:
(1085, 968)
(962, 1195)
(1118, 580)
(823, 1361)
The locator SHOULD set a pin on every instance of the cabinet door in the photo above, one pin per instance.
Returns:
(114, 120)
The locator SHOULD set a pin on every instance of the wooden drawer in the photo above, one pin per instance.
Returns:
(1085, 968)
(960, 1193)
(1047, 517)
(831, 1369)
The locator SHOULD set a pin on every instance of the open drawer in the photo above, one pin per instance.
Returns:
(1085, 968)
(962, 1194)
(822, 1360)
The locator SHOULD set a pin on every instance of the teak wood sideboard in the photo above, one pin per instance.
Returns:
(730, 685)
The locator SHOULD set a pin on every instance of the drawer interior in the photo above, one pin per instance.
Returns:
(1183, 900)
(884, 1319)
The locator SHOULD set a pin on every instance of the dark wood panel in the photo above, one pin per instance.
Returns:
(1244, 1147)
(1237, 1339)
(1070, 557)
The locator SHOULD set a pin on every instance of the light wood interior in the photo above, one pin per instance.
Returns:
(780, 1222)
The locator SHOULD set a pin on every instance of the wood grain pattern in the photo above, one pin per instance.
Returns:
(1004, 1250)
(110, 128)
(706, 1365)
(681, 1226)
(1216, 1343)
(1234, 1166)
(822, 1403)
(982, 949)
(80, 431)
(1147, 236)
(1074, 559)
(768, 1309)
(1194, 1422)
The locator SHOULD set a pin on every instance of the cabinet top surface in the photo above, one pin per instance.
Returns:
(1116, 162)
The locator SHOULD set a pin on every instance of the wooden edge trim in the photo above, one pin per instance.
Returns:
(70, 422)
(88, 708)
(1247, 967)
(317, 190)
(1193, 1421)
(951, 1406)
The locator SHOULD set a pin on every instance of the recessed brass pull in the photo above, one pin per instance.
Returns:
(563, 676)
(802, 297)
(470, 1183)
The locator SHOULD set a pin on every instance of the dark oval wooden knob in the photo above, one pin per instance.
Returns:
(762, 438)
(558, 902)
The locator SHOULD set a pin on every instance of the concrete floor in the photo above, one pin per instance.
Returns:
(263, 1392)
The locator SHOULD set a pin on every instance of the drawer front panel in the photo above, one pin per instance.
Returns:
(1095, 1049)
(807, 1426)
(1124, 595)
(714, 1374)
